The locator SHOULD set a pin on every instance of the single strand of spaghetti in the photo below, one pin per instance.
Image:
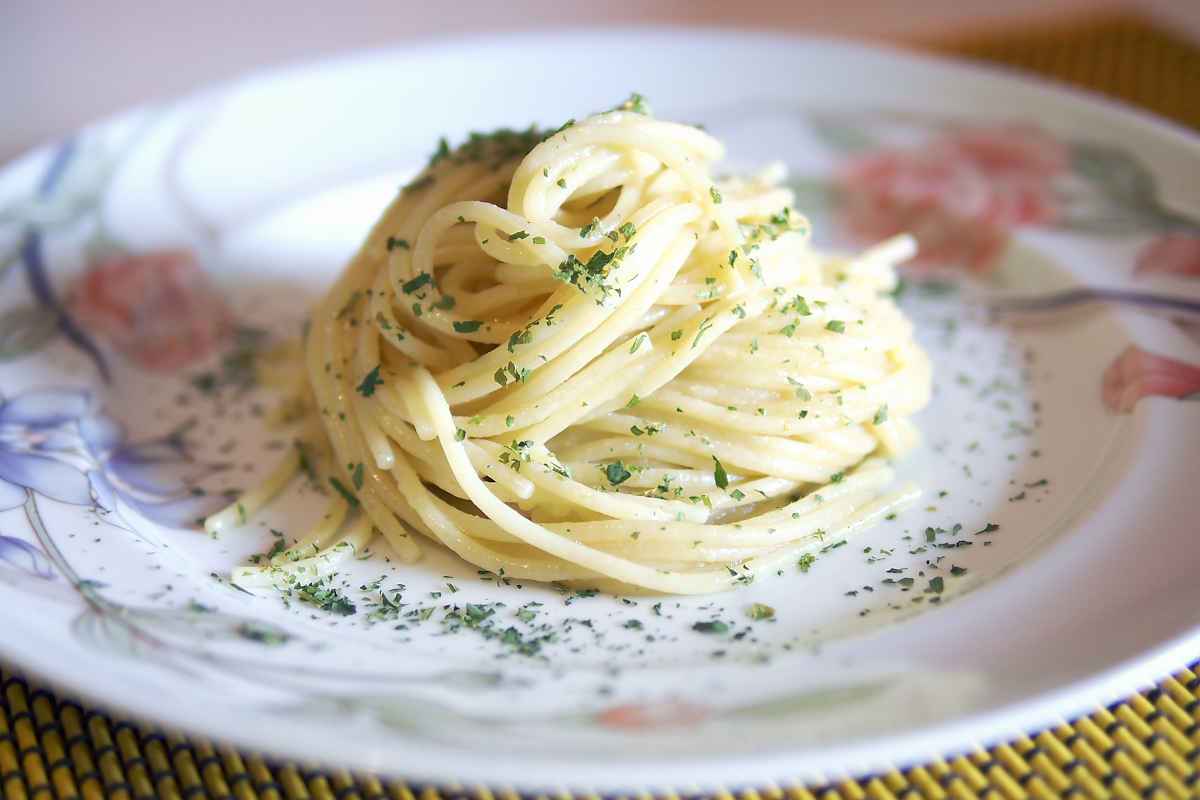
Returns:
(373, 438)
(250, 503)
(311, 568)
(319, 535)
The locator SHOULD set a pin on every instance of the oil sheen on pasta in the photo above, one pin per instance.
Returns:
(580, 357)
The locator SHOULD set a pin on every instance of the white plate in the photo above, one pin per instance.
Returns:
(1086, 590)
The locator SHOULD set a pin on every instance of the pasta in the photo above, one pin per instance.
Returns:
(578, 357)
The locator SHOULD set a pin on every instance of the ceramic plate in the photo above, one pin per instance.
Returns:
(1051, 564)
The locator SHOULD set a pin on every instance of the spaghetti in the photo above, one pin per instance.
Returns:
(578, 357)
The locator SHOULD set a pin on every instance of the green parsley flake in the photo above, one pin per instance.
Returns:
(881, 415)
(719, 474)
(616, 473)
(714, 194)
(416, 283)
(370, 382)
(346, 494)
(466, 326)
(636, 104)
(835, 325)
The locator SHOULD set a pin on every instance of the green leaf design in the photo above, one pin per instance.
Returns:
(24, 330)
(1123, 194)
(1118, 174)
(106, 632)
(842, 132)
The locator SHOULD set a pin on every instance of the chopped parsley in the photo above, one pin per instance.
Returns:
(617, 473)
(636, 103)
(719, 474)
(326, 598)
(343, 491)
(416, 283)
(370, 382)
(466, 326)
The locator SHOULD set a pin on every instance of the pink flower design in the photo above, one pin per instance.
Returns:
(1136, 374)
(659, 715)
(958, 195)
(1175, 253)
(158, 309)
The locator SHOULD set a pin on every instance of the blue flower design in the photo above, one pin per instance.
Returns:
(59, 444)
(25, 557)
(35, 447)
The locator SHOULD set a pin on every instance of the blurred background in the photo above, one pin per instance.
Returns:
(65, 63)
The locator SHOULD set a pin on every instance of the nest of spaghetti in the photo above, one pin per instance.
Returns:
(580, 357)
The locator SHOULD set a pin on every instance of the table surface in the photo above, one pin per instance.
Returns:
(1145, 746)
(66, 63)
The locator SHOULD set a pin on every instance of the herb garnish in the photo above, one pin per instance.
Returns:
(719, 474)
(326, 597)
(370, 382)
(617, 473)
(343, 491)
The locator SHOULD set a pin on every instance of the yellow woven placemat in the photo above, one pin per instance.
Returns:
(1145, 746)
